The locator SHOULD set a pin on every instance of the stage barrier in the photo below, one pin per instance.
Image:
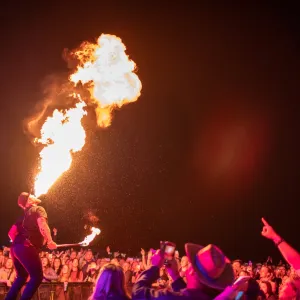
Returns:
(58, 291)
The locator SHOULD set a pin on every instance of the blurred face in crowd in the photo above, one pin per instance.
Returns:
(243, 273)
(103, 263)
(250, 270)
(45, 262)
(65, 260)
(70, 263)
(93, 267)
(73, 255)
(9, 264)
(50, 257)
(126, 266)
(236, 265)
(56, 263)
(65, 269)
(89, 255)
(136, 266)
(75, 263)
(115, 262)
(121, 262)
(184, 262)
(282, 271)
(264, 272)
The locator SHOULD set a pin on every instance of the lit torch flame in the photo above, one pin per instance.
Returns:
(62, 134)
(89, 238)
(108, 74)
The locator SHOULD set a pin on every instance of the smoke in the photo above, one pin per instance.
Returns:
(57, 90)
(91, 218)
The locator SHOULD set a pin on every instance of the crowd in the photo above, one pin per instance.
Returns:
(202, 273)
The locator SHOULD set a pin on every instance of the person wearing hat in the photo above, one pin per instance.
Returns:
(29, 234)
(210, 272)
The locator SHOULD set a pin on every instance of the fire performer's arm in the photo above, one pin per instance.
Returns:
(46, 233)
(13, 232)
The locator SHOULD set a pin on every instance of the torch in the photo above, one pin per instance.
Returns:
(87, 240)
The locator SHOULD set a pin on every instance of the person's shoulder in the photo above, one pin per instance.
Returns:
(40, 210)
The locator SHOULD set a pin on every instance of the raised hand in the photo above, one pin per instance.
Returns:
(143, 252)
(150, 254)
(268, 231)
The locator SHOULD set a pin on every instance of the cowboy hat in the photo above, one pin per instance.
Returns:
(212, 267)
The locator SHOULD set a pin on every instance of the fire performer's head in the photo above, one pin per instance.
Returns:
(26, 200)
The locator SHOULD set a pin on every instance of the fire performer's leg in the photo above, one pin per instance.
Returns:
(29, 258)
(22, 276)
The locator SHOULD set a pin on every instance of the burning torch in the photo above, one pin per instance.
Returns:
(87, 240)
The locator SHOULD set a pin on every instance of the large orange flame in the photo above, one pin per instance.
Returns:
(109, 75)
(107, 72)
(62, 134)
(89, 238)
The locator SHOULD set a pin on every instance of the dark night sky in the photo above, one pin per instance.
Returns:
(210, 146)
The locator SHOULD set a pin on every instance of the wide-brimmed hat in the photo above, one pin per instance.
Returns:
(23, 198)
(212, 267)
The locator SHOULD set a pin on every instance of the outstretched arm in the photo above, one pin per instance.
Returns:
(44, 229)
(46, 233)
(291, 255)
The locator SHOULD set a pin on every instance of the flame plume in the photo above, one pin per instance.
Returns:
(109, 75)
(62, 134)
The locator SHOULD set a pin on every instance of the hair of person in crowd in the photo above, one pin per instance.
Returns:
(111, 282)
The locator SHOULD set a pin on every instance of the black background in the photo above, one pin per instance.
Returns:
(210, 147)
